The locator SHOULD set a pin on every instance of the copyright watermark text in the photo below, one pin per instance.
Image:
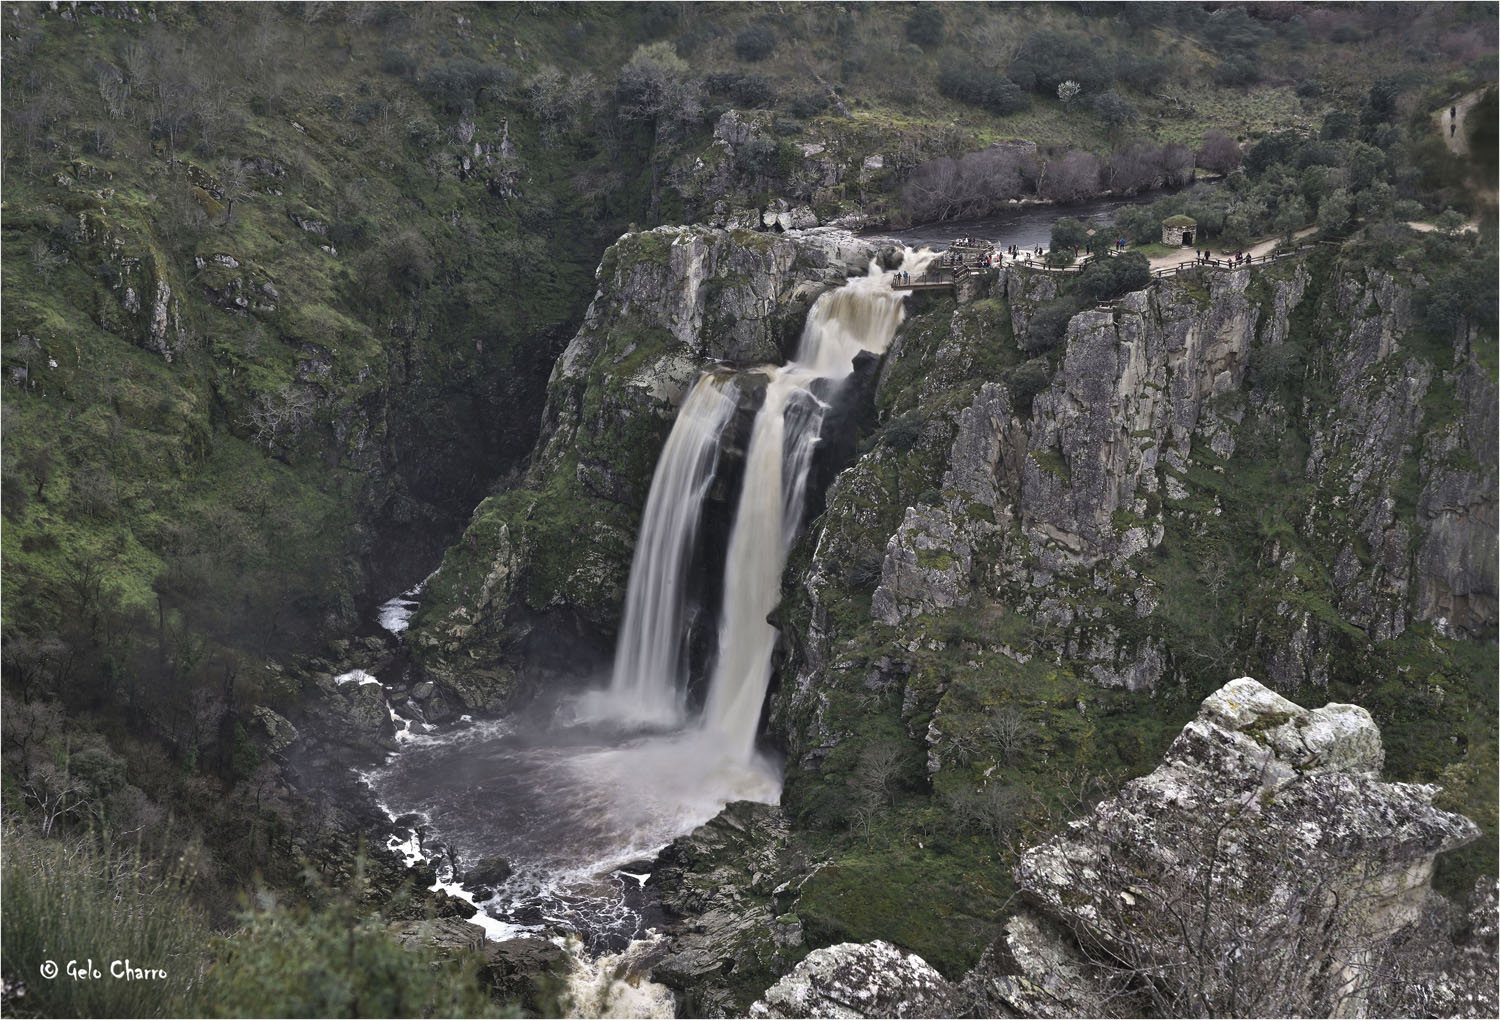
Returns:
(86, 970)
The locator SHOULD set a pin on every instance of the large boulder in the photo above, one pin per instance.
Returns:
(528, 972)
(1262, 869)
(853, 980)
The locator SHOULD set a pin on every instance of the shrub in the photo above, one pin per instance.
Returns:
(455, 85)
(78, 899)
(1110, 277)
(756, 156)
(809, 105)
(1142, 73)
(1027, 380)
(367, 110)
(341, 960)
(1238, 70)
(1047, 327)
(753, 91)
(398, 62)
(755, 43)
(1049, 57)
(978, 87)
(925, 26)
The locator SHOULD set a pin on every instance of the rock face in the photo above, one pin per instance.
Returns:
(732, 890)
(542, 569)
(1262, 869)
(1127, 527)
(851, 980)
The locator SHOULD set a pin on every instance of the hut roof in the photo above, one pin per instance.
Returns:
(1179, 221)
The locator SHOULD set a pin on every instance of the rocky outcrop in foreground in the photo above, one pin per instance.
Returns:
(1263, 869)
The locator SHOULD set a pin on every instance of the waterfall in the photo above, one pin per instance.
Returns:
(649, 679)
(860, 316)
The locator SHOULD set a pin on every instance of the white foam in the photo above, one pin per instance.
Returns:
(494, 930)
(355, 676)
(615, 984)
(394, 614)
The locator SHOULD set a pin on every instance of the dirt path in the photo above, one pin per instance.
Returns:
(1457, 140)
(1470, 227)
(1171, 259)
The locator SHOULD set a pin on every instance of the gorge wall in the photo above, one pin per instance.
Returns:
(1015, 593)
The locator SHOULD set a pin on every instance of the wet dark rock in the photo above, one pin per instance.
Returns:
(450, 936)
(487, 872)
(528, 972)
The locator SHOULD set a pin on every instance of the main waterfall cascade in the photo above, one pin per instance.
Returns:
(578, 794)
(861, 316)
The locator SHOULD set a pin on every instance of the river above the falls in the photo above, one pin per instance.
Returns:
(1023, 225)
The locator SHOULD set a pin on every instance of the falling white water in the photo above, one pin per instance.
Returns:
(616, 984)
(860, 316)
(649, 681)
(577, 808)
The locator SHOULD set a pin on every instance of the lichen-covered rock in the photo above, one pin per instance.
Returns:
(851, 981)
(1262, 869)
(278, 732)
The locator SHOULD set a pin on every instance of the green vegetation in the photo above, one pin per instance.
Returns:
(285, 288)
(83, 905)
(340, 960)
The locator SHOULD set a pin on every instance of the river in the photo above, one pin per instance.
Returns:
(1025, 226)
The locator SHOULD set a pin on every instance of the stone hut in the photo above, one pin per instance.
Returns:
(1179, 230)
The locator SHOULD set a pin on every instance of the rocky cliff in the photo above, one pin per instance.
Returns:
(1263, 869)
(1040, 554)
(1280, 470)
(547, 559)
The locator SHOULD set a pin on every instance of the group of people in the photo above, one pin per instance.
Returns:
(1237, 259)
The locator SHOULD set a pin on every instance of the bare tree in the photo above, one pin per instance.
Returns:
(281, 414)
(1010, 733)
(879, 767)
(113, 89)
(1219, 153)
(1073, 178)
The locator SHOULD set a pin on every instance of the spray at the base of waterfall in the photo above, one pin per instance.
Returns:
(616, 984)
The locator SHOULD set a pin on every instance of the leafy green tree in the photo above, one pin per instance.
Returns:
(1049, 57)
(1114, 109)
(1067, 232)
(1110, 277)
(979, 87)
(1336, 211)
